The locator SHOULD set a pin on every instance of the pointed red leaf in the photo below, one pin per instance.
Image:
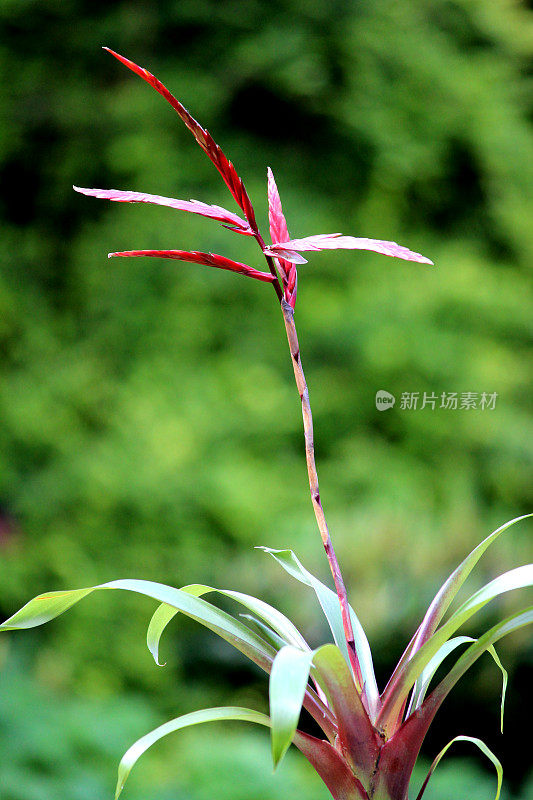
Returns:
(358, 740)
(331, 767)
(399, 754)
(209, 259)
(336, 241)
(280, 233)
(194, 206)
(204, 139)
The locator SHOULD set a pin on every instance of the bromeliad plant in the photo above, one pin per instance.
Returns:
(371, 739)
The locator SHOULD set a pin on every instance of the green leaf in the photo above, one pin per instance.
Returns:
(484, 643)
(421, 686)
(44, 608)
(159, 621)
(196, 717)
(277, 643)
(422, 683)
(331, 608)
(484, 749)
(273, 639)
(404, 745)
(277, 621)
(288, 680)
(505, 679)
(514, 579)
(443, 599)
(324, 758)
(451, 586)
(48, 606)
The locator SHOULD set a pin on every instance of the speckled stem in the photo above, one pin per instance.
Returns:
(288, 316)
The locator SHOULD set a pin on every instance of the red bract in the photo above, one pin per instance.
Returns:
(209, 259)
(194, 206)
(280, 233)
(284, 250)
(203, 137)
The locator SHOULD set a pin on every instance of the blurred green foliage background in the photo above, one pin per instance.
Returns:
(149, 424)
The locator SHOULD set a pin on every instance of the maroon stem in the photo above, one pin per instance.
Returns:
(271, 265)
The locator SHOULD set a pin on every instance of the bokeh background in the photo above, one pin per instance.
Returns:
(150, 426)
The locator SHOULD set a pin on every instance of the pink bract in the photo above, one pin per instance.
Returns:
(336, 241)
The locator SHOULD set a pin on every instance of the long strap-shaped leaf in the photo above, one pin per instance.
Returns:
(270, 636)
(421, 686)
(484, 749)
(278, 642)
(451, 586)
(204, 139)
(443, 599)
(482, 644)
(514, 579)
(324, 758)
(281, 632)
(441, 602)
(330, 605)
(277, 621)
(404, 746)
(48, 606)
(357, 740)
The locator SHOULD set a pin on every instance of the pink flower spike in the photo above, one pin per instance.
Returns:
(278, 225)
(335, 241)
(209, 259)
(280, 233)
(194, 206)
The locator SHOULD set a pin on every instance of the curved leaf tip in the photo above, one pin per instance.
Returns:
(484, 749)
(196, 717)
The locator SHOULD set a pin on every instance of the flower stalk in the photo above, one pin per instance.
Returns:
(282, 256)
(288, 318)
